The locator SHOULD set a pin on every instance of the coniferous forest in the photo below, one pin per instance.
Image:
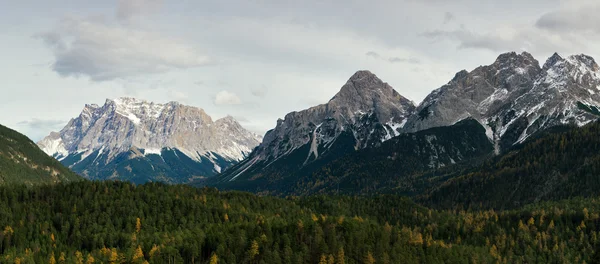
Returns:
(117, 222)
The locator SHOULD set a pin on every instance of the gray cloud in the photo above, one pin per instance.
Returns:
(469, 39)
(104, 51)
(448, 17)
(126, 9)
(377, 56)
(373, 54)
(408, 60)
(584, 18)
(36, 123)
(260, 91)
(37, 128)
(529, 39)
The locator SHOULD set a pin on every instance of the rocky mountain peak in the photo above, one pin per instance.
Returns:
(105, 133)
(479, 93)
(360, 83)
(514, 56)
(362, 75)
(460, 75)
(511, 63)
(365, 112)
(364, 92)
(555, 58)
(227, 119)
(584, 60)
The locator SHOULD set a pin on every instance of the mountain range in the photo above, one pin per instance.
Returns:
(346, 144)
(366, 139)
(140, 141)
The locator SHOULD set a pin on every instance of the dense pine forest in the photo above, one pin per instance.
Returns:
(116, 222)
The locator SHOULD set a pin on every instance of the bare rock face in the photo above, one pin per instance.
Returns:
(565, 93)
(366, 108)
(515, 98)
(369, 108)
(101, 135)
(478, 94)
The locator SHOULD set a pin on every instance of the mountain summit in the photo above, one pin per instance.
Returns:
(475, 115)
(365, 112)
(137, 140)
(515, 98)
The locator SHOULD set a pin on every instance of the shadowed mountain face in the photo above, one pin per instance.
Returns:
(22, 162)
(388, 168)
(365, 113)
(130, 139)
(511, 100)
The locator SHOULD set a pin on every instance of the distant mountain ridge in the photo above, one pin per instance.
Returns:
(512, 99)
(137, 140)
(515, 98)
(22, 162)
(365, 112)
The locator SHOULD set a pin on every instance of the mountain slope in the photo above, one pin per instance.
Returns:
(22, 162)
(554, 166)
(136, 140)
(366, 112)
(515, 98)
(398, 165)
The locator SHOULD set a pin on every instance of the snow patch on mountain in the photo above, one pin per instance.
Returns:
(141, 128)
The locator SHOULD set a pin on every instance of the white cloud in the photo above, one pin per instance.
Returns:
(227, 98)
(104, 51)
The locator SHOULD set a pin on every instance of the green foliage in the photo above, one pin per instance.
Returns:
(588, 108)
(554, 166)
(22, 162)
(171, 166)
(119, 222)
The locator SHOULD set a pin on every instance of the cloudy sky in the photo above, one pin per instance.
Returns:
(259, 59)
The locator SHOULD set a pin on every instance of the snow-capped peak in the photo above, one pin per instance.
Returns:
(125, 123)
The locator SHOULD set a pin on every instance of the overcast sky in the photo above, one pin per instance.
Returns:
(259, 59)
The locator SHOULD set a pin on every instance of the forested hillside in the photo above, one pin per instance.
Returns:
(22, 162)
(554, 166)
(115, 222)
